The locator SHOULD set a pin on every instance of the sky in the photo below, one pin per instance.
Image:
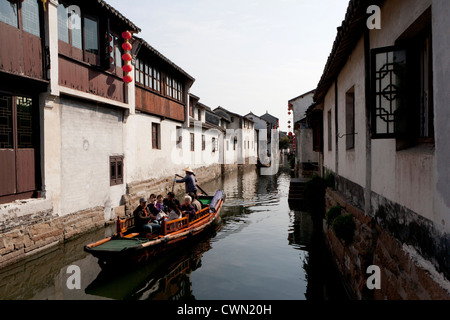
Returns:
(245, 55)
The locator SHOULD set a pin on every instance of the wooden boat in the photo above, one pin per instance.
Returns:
(129, 246)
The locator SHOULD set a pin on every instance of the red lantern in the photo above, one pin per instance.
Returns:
(289, 113)
(127, 68)
(127, 46)
(290, 134)
(127, 35)
(127, 57)
(127, 79)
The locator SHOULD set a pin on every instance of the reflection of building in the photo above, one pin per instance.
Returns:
(381, 123)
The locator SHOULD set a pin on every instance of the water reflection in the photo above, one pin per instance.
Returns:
(263, 249)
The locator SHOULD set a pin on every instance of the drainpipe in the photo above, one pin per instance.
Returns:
(336, 102)
(367, 62)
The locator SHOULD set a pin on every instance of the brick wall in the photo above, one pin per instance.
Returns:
(405, 275)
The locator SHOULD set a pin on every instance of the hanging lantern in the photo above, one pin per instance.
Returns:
(289, 113)
(290, 134)
(127, 35)
(126, 46)
(127, 57)
(127, 79)
(127, 68)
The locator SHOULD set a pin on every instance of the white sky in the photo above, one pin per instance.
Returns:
(246, 55)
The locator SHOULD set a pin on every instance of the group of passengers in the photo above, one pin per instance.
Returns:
(150, 214)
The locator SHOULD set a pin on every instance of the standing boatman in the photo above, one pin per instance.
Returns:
(190, 180)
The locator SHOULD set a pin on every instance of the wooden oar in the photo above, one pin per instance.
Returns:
(196, 185)
(173, 185)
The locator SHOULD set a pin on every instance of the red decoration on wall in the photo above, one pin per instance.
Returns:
(126, 46)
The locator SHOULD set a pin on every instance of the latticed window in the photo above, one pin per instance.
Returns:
(116, 170)
(402, 88)
(389, 85)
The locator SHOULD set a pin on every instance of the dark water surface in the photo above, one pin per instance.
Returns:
(261, 250)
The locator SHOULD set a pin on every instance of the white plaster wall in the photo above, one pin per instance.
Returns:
(328, 105)
(441, 66)
(304, 147)
(300, 105)
(52, 152)
(396, 17)
(352, 162)
(141, 160)
(203, 158)
(405, 177)
(90, 134)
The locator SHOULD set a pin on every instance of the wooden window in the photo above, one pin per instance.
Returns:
(156, 136)
(91, 35)
(23, 14)
(203, 142)
(9, 12)
(30, 17)
(174, 89)
(350, 119)
(388, 76)
(147, 75)
(402, 104)
(63, 24)
(116, 170)
(81, 33)
(192, 142)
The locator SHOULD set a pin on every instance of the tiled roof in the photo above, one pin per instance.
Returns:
(132, 26)
(161, 56)
(349, 33)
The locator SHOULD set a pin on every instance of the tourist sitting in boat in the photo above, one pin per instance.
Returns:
(159, 203)
(187, 208)
(190, 181)
(151, 207)
(143, 219)
(174, 213)
(166, 201)
(197, 205)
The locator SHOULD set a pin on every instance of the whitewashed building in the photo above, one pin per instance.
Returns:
(383, 101)
(307, 160)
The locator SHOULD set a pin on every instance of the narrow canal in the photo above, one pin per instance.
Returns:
(262, 250)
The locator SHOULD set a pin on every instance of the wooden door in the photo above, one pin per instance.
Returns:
(17, 145)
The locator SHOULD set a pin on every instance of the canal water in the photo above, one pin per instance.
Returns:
(263, 249)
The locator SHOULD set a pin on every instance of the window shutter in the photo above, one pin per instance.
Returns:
(105, 54)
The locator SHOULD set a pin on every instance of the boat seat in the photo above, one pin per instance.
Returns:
(131, 235)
